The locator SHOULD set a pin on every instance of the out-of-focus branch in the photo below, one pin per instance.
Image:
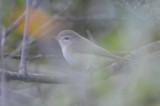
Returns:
(36, 3)
(90, 36)
(129, 59)
(20, 19)
(153, 47)
(32, 58)
(89, 18)
(145, 50)
(53, 19)
(3, 76)
(15, 24)
(50, 79)
(23, 62)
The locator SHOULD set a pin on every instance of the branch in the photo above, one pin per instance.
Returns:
(32, 58)
(23, 62)
(90, 18)
(20, 19)
(53, 79)
(49, 22)
(50, 79)
(15, 24)
(3, 76)
(90, 36)
(145, 50)
(153, 47)
(53, 19)
(128, 60)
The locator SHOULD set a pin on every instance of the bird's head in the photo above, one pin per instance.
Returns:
(68, 37)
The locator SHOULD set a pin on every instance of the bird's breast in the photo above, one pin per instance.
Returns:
(74, 58)
(83, 60)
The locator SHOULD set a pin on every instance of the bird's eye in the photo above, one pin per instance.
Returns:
(66, 38)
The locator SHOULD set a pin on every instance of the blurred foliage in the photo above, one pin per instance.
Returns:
(20, 2)
(112, 41)
(38, 18)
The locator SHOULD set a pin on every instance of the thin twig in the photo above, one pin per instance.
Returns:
(53, 19)
(90, 18)
(153, 47)
(129, 59)
(3, 76)
(90, 36)
(32, 58)
(31, 40)
(36, 3)
(23, 62)
(147, 49)
(20, 19)
(15, 24)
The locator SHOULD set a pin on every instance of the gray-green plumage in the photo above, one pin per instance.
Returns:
(79, 51)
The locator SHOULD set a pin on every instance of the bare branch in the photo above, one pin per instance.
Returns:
(133, 56)
(145, 50)
(23, 63)
(53, 19)
(20, 19)
(32, 58)
(15, 24)
(3, 76)
(90, 18)
(36, 3)
(90, 36)
(115, 67)
(50, 79)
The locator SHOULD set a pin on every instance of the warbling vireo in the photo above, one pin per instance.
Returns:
(82, 53)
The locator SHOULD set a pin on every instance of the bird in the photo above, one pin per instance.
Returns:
(83, 54)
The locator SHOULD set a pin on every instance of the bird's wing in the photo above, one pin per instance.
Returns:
(91, 48)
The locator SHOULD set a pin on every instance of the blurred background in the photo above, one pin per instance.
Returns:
(120, 26)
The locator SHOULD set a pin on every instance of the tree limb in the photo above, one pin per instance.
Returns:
(31, 58)
(20, 19)
(129, 59)
(50, 79)
(24, 55)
